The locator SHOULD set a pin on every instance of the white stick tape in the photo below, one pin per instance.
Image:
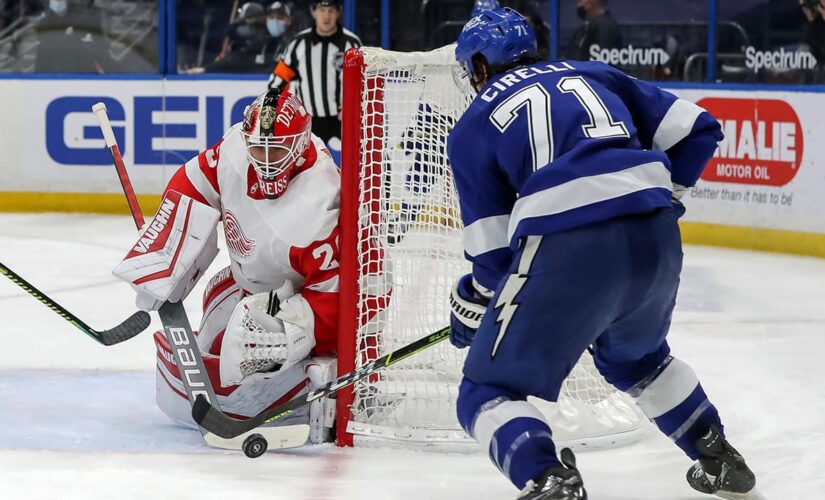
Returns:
(99, 110)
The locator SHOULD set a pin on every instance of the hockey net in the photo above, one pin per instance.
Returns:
(401, 250)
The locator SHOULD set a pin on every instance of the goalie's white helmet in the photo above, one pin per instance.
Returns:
(277, 130)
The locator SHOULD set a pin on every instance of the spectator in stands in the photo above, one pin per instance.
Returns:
(258, 40)
(311, 67)
(814, 11)
(279, 25)
(201, 29)
(599, 29)
(71, 40)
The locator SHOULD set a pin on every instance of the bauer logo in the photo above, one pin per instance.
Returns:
(763, 142)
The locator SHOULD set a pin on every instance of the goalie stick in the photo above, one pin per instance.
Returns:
(129, 328)
(99, 110)
(214, 420)
(182, 341)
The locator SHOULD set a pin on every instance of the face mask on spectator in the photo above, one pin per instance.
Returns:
(245, 31)
(57, 6)
(276, 27)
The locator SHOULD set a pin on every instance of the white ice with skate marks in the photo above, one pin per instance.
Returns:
(78, 420)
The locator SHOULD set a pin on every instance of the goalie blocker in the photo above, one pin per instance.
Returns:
(255, 357)
(173, 251)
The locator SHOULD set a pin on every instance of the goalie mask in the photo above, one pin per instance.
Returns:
(277, 133)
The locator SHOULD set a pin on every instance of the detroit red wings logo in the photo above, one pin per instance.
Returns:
(236, 240)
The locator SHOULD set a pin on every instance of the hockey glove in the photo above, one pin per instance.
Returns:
(468, 306)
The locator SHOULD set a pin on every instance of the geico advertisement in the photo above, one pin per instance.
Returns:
(52, 140)
(769, 171)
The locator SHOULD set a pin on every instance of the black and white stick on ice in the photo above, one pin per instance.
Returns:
(132, 326)
(212, 419)
(182, 341)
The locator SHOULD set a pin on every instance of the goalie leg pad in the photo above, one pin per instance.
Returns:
(170, 393)
(257, 392)
(320, 371)
(220, 298)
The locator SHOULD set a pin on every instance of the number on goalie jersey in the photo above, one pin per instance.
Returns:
(566, 173)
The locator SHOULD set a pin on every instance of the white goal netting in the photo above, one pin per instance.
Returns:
(410, 253)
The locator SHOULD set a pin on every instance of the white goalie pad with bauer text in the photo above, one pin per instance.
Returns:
(173, 251)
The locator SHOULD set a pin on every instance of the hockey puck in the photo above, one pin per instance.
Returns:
(254, 446)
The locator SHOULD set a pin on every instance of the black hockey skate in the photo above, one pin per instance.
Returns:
(562, 482)
(721, 471)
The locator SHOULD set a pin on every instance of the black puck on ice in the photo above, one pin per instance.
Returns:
(254, 446)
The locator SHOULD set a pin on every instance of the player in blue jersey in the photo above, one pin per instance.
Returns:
(569, 175)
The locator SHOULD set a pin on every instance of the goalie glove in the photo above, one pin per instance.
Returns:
(266, 331)
(468, 301)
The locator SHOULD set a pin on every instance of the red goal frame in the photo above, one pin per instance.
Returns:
(362, 125)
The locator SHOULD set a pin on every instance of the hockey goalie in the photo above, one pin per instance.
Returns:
(268, 331)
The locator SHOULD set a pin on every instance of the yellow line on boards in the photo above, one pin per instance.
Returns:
(700, 233)
(90, 203)
(754, 238)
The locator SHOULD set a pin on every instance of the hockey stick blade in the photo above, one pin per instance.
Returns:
(132, 326)
(220, 424)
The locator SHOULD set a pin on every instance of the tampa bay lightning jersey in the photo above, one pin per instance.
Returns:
(554, 146)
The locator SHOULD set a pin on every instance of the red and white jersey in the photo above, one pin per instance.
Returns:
(293, 237)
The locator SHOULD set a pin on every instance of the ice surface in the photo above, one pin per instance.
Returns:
(78, 420)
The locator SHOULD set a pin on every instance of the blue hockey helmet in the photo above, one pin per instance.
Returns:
(502, 36)
(482, 5)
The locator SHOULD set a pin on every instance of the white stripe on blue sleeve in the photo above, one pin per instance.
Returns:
(486, 235)
(676, 125)
(589, 190)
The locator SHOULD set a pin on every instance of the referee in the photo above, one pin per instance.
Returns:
(311, 67)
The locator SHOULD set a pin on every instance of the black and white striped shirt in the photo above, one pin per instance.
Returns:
(315, 62)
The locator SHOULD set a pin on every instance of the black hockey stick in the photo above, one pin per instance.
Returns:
(133, 325)
(217, 422)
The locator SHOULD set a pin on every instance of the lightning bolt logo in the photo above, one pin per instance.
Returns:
(505, 303)
(507, 306)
